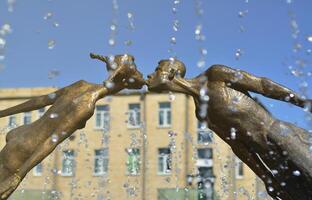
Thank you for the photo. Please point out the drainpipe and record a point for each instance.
(234, 175)
(55, 174)
(186, 132)
(144, 140)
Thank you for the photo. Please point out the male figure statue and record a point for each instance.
(277, 151)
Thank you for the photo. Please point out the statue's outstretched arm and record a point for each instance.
(34, 103)
(248, 82)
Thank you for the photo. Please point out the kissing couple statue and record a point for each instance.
(222, 100)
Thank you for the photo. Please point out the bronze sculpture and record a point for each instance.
(72, 106)
(276, 151)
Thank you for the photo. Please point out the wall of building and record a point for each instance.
(117, 183)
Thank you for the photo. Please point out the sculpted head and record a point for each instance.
(123, 71)
(167, 76)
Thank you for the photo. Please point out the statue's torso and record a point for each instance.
(69, 113)
(230, 109)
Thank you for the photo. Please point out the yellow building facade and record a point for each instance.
(142, 146)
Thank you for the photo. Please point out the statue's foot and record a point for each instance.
(8, 186)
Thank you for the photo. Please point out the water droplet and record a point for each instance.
(56, 24)
(201, 63)
(2, 43)
(233, 133)
(171, 96)
(113, 27)
(53, 115)
(172, 134)
(51, 44)
(270, 189)
(174, 10)
(176, 25)
(48, 15)
(53, 73)
(130, 15)
(238, 54)
(283, 184)
(203, 51)
(128, 42)
(285, 130)
(173, 40)
(131, 80)
(235, 100)
(296, 173)
(52, 95)
(63, 133)
(307, 106)
(109, 84)
(309, 38)
(111, 42)
(5, 29)
(11, 4)
(55, 138)
(198, 29)
(274, 171)
(242, 14)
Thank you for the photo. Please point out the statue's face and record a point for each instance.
(163, 77)
(125, 73)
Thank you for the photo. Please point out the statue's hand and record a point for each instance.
(8, 186)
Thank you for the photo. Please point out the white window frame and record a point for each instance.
(209, 149)
(165, 112)
(135, 114)
(9, 121)
(164, 157)
(40, 113)
(104, 115)
(35, 170)
(206, 130)
(25, 115)
(138, 160)
(238, 164)
(99, 157)
(72, 158)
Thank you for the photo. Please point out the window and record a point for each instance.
(37, 171)
(12, 121)
(134, 115)
(68, 163)
(205, 153)
(41, 112)
(239, 168)
(164, 161)
(101, 161)
(205, 172)
(133, 162)
(102, 117)
(27, 118)
(164, 114)
(204, 134)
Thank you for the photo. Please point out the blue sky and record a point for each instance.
(267, 43)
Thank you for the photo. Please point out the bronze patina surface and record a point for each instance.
(71, 107)
(277, 151)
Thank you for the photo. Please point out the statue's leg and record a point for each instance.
(4, 172)
(250, 158)
(290, 156)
